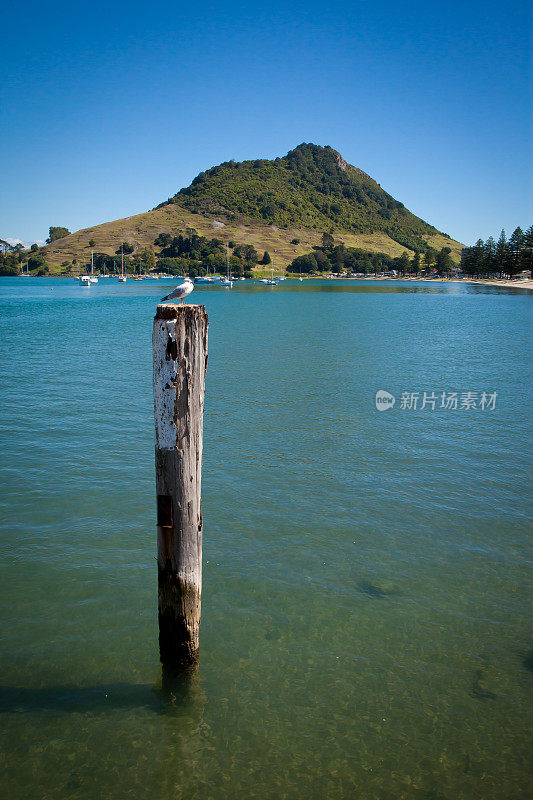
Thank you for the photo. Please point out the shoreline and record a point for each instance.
(503, 283)
(522, 284)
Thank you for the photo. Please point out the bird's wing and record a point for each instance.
(173, 295)
(182, 290)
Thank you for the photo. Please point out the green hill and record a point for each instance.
(311, 187)
(283, 206)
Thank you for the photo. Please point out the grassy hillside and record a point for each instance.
(142, 229)
(268, 204)
(311, 187)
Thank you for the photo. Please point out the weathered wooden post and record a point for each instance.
(180, 361)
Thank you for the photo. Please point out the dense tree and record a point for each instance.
(444, 261)
(306, 264)
(92, 242)
(179, 266)
(340, 258)
(36, 261)
(527, 250)
(501, 254)
(9, 270)
(489, 255)
(415, 263)
(238, 267)
(125, 247)
(403, 263)
(327, 240)
(9, 260)
(515, 248)
(506, 257)
(266, 258)
(247, 252)
(430, 256)
(56, 233)
(148, 258)
(102, 262)
(215, 262)
(193, 255)
(323, 263)
(163, 240)
(472, 258)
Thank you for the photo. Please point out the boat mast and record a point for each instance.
(92, 262)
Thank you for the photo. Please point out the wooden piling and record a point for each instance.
(180, 361)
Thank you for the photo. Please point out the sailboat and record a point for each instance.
(122, 277)
(227, 281)
(93, 278)
(270, 281)
(85, 280)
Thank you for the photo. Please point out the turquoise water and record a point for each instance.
(365, 602)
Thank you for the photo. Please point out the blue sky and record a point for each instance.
(109, 108)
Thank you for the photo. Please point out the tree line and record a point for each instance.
(34, 258)
(506, 257)
(336, 258)
(195, 255)
(189, 254)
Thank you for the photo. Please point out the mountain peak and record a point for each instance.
(322, 154)
(311, 187)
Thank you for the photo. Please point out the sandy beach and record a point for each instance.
(504, 283)
(520, 284)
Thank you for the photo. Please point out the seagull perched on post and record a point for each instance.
(180, 292)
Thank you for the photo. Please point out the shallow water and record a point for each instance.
(365, 602)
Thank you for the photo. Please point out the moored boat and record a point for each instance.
(122, 277)
(227, 280)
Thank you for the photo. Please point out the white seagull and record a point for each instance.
(180, 292)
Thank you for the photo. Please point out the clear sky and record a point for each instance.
(109, 108)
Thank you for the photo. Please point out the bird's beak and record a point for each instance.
(164, 298)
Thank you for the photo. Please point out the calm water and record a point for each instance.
(365, 606)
